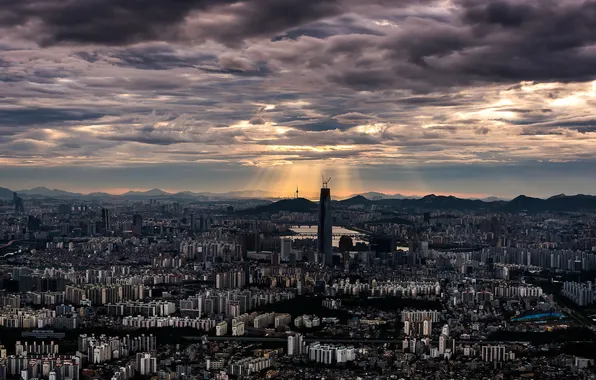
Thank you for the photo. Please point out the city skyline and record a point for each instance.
(452, 97)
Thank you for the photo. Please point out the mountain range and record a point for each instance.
(560, 202)
(433, 202)
(44, 192)
(376, 196)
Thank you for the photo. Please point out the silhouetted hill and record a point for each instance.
(525, 203)
(5, 193)
(565, 203)
(375, 196)
(354, 201)
(50, 193)
(288, 205)
(521, 203)
(148, 193)
(440, 202)
(99, 194)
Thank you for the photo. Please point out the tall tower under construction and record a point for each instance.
(325, 230)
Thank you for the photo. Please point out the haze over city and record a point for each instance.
(463, 97)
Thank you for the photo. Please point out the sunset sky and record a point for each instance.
(466, 97)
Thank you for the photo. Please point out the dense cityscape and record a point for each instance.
(297, 189)
(178, 286)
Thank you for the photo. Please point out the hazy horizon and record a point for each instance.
(302, 194)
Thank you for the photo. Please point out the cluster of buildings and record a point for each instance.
(104, 294)
(142, 322)
(34, 366)
(472, 295)
(25, 348)
(332, 304)
(307, 321)
(249, 366)
(146, 309)
(539, 257)
(32, 319)
(328, 353)
(496, 354)
(104, 348)
(582, 294)
(231, 302)
(405, 289)
(230, 280)
(146, 363)
(272, 319)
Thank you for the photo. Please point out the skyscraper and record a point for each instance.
(137, 224)
(325, 230)
(19, 206)
(105, 220)
(193, 222)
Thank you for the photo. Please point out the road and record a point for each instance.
(581, 320)
(337, 340)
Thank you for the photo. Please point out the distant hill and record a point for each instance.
(355, 201)
(492, 199)
(45, 192)
(561, 202)
(375, 196)
(5, 193)
(521, 203)
(441, 202)
(287, 205)
(525, 203)
(99, 195)
(148, 193)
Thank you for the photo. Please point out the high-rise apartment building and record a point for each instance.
(286, 249)
(146, 364)
(295, 344)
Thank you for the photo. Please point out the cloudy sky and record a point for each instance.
(467, 97)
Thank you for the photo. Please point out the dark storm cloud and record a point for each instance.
(123, 22)
(152, 57)
(111, 22)
(272, 82)
(353, 118)
(482, 130)
(445, 128)
(348, 24)
(324, 125)
(483, 42)
(18, 117)
(558, 127)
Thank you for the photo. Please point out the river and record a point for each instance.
(310, 232)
